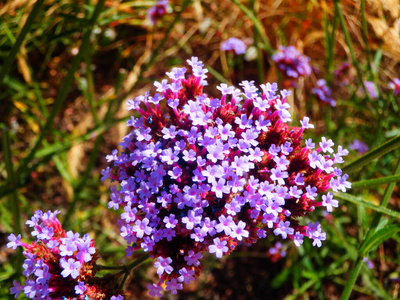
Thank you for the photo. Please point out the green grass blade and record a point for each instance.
(374, 154)
(21, 37)
(373, 182)
(257, 26)
(378, 238)
(358, 201)
(6, 147)
(62, 95)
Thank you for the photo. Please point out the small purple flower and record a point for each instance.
(359, 146)
(292, 62)
(395, 86)
(163, 265)
(15, 241)
(324, 92)
(234, 44)
(155, 290)
(371, 90)
(219, 247)
(80, 288)
(70, 267)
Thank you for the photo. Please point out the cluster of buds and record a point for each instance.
(199, 174)
(59, 264)
(292, 62)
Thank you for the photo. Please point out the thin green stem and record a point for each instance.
(375, 221)
(21, 37)
(133, 265)
(352, 54)
(257, 26)
(11, 180)
(260, 61)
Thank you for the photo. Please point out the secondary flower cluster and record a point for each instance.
(324, 92)
(199, 174)
(157, 10)
(292, 62)
(59, 264)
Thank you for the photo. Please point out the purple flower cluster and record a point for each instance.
(59, 264)
(234, 44)
(324, 92)
(395, 86)
(201, 174)
(157, 10)
(291, 62)
(359, 146)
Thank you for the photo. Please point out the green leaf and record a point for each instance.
(370, 205)
(376, 181)
(376, 153)
(378, 238)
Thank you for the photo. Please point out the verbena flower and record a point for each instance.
(158, 10)
(324, 92)
(395, 86)
(291, 62)
(199, 174)
(59, 264)
(359, 146)
(234, 44)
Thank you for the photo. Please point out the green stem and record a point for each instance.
(260, 60)
(257, 26)
(130, 267)
(11, 180)
(21, 37)
(377, 218)
(352, 54)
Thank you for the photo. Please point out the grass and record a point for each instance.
(67, 68)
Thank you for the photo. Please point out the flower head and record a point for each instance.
(324, 92)
(291, 62)
(59, 264)
(158, 10)
(218, 172)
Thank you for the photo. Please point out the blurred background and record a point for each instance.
(67, 68)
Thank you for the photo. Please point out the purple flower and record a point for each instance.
(158, 10)
(290, 61)
(163, 265)
(395, 86)
(324, 92)
(234, 44)
(371, 90)
(359, 146)
(15, 241)
(219, 247)
(155, 290)
(200, 173)
(70, 267)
